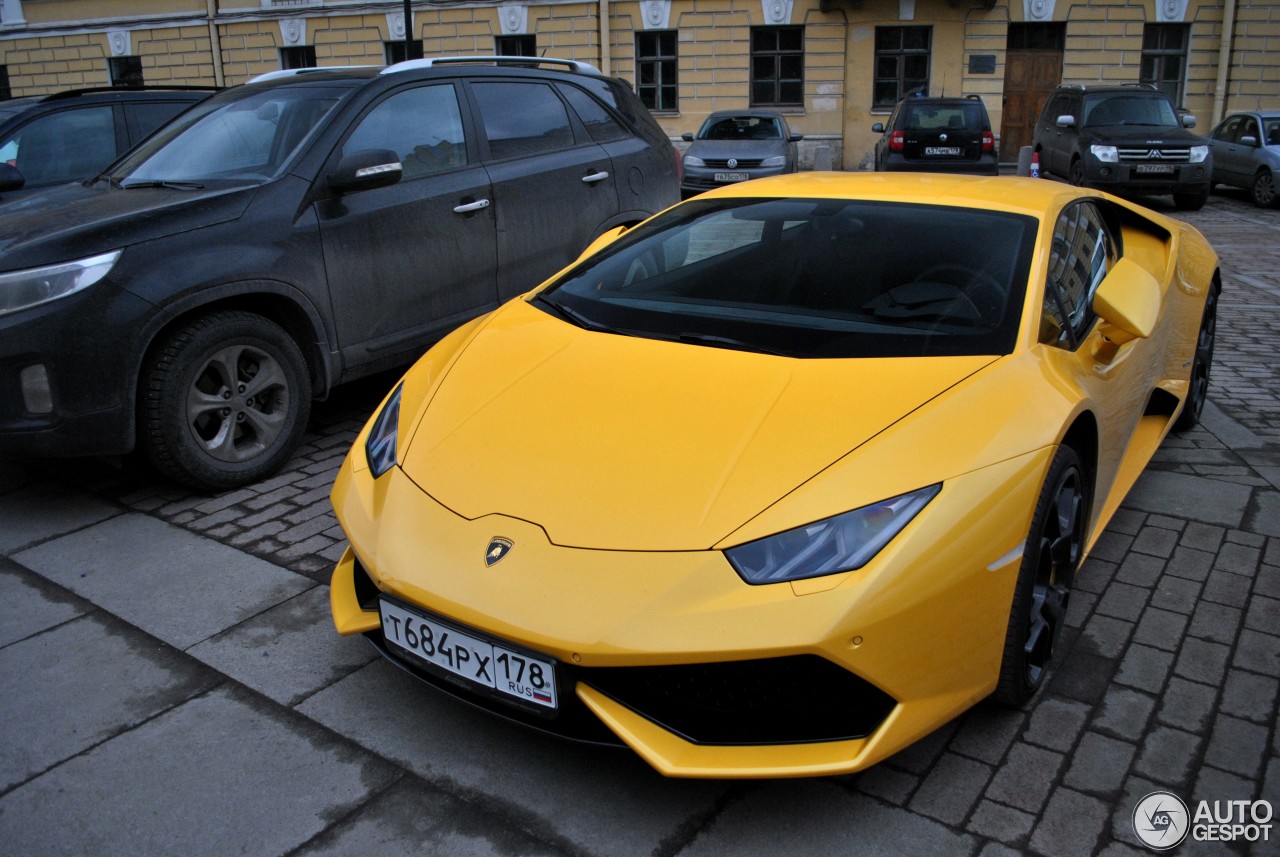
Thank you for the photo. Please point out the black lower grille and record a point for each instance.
(790, 700)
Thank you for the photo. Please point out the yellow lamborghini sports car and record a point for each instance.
(784, 478)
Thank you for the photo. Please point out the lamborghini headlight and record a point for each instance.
(842, 543)
(35, 286)
(380, 445)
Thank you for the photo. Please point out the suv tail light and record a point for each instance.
(988, 141)
(896, 140)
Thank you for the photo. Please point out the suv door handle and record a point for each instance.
(471, 206)
(596, 177)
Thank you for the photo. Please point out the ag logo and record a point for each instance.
(498, 548)
(1160, 819)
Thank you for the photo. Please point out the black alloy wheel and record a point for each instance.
(225, 402)
(1198, 382)
(1050, 559)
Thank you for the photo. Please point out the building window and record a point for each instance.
(395, 52)
(517, 46)
(902, 63)
(777, 66)
(1037, 37)
(299, 57)
(1164, 58)
(656, 69)
(125, 71)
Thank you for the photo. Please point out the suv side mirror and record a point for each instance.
(688, 138)
(1128, 302)
(878, 127)
(1188, 120)
(796, 138)
(1066, 121)
(10, 178)
(365, 170)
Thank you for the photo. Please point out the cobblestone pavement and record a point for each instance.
(173, 684)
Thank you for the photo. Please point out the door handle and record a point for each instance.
(595, 177)
(471, 206)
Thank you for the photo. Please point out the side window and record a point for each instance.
(64, 146)
(599, 123)
(522, 118)
(1081, 254)
(1229, 131)
(422, 125)
(1249, 128)
(150, 116)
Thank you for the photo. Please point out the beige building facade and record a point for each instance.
(833, 66)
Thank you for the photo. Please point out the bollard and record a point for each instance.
(1024, 161)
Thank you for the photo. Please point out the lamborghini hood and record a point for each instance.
(623, 443)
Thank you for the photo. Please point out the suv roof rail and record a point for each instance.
(974, 96)
(96, 90)
(429, 62)
(294, 72)
(1150, 86)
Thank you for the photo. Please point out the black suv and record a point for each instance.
(299, 231)
(943, 135)
(1124, 139)
(52, 139)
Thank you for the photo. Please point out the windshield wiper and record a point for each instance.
(576, 317)
(172, 185)
(726, 342)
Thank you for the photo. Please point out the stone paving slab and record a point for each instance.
(171, 583)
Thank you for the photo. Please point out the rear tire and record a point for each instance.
(224, 402)
(1050, 559)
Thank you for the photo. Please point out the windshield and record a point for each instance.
(740, 128)
(942, 117)
(811, 278)
(1135, 109)
(245, 135)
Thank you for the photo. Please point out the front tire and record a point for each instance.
(1050, 559)
(1263, 191)
(224, 402)
(1198, 382)
(1075, 173)
(1193, 200)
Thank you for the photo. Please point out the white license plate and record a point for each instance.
(478, 661)
(732, 177)
(942, 150)
(1160, 169)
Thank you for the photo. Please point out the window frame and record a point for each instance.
(1157, 53)
(397, 47)
(657, 59)
(298, 56)
(125, 71)
(526, 45)
(776, 54)
(902, 85)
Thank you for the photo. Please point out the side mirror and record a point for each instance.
(365, 170)
(878, 127)
(1188, 120)
(796, 138)
(1066, 121)
(1128, 302)
(1248, 140)
(10, 178)
(603, 241)
(688, 138)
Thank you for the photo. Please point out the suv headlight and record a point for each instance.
(380, 445)
(1198, 154)
(34, 286)
(1106, 154)
(842, 543)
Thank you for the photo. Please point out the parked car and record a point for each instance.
(759, 488)
(1126, 140)
(738, 145)
(290, 234)
(1246, 153)
(947, 135)
(53, 139)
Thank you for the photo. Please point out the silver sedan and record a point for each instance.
(1246, 153)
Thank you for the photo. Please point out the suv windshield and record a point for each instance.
(811, 278)
(243, 136)
(1127, 109)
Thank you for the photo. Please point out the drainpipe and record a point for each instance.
(1224, 61)
(605, 58)
(215, 42)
